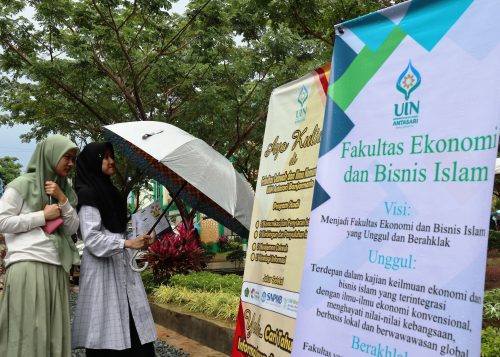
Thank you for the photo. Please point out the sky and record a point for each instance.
(11, 145)
(10, 142)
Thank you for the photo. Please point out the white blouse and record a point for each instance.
(25, 239)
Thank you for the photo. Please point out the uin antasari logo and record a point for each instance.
(406, 114)
(300, 114)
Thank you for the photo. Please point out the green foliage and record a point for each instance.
(228, 243)
(494, 240)
(215, 304)
(234, 249)
(211, 247)
(236, 256)
(490, 342)
(223, 242)
(208, 282)
(10, 168)
(209, 254)
(148, 280)
(491, 306)
(495, 203)
(88, 63)
(234, 245)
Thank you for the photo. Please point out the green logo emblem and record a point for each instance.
(300, 114)
(408, 81)
(406, 114)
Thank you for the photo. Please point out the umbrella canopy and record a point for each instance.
(175, 158)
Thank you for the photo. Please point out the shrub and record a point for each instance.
(491, 306)
(208, 282)
(148, 280)
(223, 243)
(211, 247)
(236, 256)
(490, 342)
(228, 243)
(176, 252)
(219, 305)
(494, 240)
(233, 245)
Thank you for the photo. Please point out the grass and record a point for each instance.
(219, 305)
(208, 282)
(214, 295)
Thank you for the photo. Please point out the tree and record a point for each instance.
(78, 65)
(92, 63)
(10, 168)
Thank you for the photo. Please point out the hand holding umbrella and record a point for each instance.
(140, 242)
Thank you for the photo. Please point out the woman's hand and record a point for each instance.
(53, 189)
(51, 212)
(152, 237)
(139, 242)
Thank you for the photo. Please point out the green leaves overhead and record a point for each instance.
(73, 66)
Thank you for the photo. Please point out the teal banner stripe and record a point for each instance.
(320, 196)
(373, 29)
(343, 61)
(427, 21)
(336, 127)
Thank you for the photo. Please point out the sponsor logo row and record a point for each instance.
(267, 298)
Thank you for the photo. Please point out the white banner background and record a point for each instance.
(409, 296)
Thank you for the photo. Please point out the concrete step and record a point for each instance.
(215, 334)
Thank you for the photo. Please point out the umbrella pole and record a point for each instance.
(167, 208)
(133, 263)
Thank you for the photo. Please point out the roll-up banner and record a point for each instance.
(283, 197)
(396, 253)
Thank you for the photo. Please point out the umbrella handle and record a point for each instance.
(133, 263)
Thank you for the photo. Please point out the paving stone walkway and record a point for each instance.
(191, 347)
